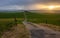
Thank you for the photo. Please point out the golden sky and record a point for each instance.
(29, 4)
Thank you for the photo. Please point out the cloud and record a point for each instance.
(42, 7)
(15, 2)
(13, 7)
(24, 4)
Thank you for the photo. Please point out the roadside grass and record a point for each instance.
(24, 33)
(50, 20)
(7, 23)
(51, 26)
(7, 19)
(44, 18)
(18, 31)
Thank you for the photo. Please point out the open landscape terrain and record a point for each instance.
(49, 18)
(29, 18)
(7, 20)
(8, 27)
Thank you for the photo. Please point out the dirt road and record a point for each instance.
(37, 31)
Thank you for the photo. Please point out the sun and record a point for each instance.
(51, 7)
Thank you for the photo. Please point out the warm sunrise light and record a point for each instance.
(48, 7)
(51, 7)
(44, 7)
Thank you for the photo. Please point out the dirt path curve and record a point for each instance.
(14, 33)
(37, 31)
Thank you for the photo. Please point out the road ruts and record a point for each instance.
(37, 31)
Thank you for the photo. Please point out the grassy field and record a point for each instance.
(7, 19)
(33, 17)
(44, 18)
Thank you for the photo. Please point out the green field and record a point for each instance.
(7, 19)
(33, 17)
(44, 18)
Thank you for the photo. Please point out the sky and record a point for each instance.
(26, 4)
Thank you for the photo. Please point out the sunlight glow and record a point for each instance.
(43, 7)
(51, 7)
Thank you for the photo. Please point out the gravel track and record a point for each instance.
(37, 31)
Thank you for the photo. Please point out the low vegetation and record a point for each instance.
(5, 25)
(51, 26)
(34, 17)
(7, 19)
(18, 31)
(44, 18)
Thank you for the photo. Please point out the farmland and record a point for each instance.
(7, 19)
(33, 17)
